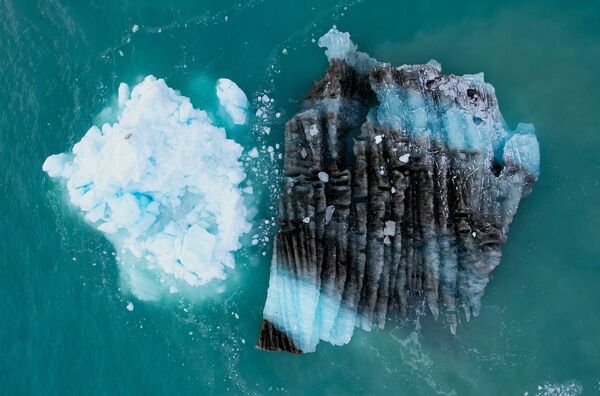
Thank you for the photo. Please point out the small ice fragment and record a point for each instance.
(253, 153)
(226, 18)
(173, 289)
(243, 341)
(306, 220)
(277, 115)
(329, 213)
(236, 315)
(313, 130)
(303, 152)
(378, 139)
(474, 234)
(130, 306)
(135, 28)
(324, 177)
(404, 158)
(265, 98)
(267, 130)
(254, 242)
(393, 190)
(284, 51)
(121, 53)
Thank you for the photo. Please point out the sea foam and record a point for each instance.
(163, 184)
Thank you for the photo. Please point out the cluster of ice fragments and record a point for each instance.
(401, 186)
(163, 184)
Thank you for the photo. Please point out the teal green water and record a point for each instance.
(64, 329)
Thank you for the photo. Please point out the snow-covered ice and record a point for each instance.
(163, 184)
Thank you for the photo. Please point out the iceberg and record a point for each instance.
(423, 180)
(163, 184)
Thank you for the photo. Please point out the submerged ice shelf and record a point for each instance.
(401, 185)
(163, 184)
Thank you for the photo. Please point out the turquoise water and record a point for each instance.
(64, 326)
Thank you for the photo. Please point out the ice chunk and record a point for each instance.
(324, 177)
(123, 95)
(55, 164)
(522, 149)
(340, 46)
(130, 307)
(163, 184)
(197, 252)
(253, 153)
(233, 100)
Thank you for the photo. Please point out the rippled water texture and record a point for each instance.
(70, 326)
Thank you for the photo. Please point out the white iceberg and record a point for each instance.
(163, 184)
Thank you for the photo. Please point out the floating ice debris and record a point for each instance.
(568, 388)
(162, 183)
(323, 176)
(425, 232)
(233, 100)
(135, 28)
(130, 307)
(253, 153)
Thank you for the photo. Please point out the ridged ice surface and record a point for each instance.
(401, 185)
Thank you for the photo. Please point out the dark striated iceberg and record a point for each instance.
(401, 185)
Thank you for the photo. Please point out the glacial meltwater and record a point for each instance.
(142, 168)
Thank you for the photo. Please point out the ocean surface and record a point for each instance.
(64, 324)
